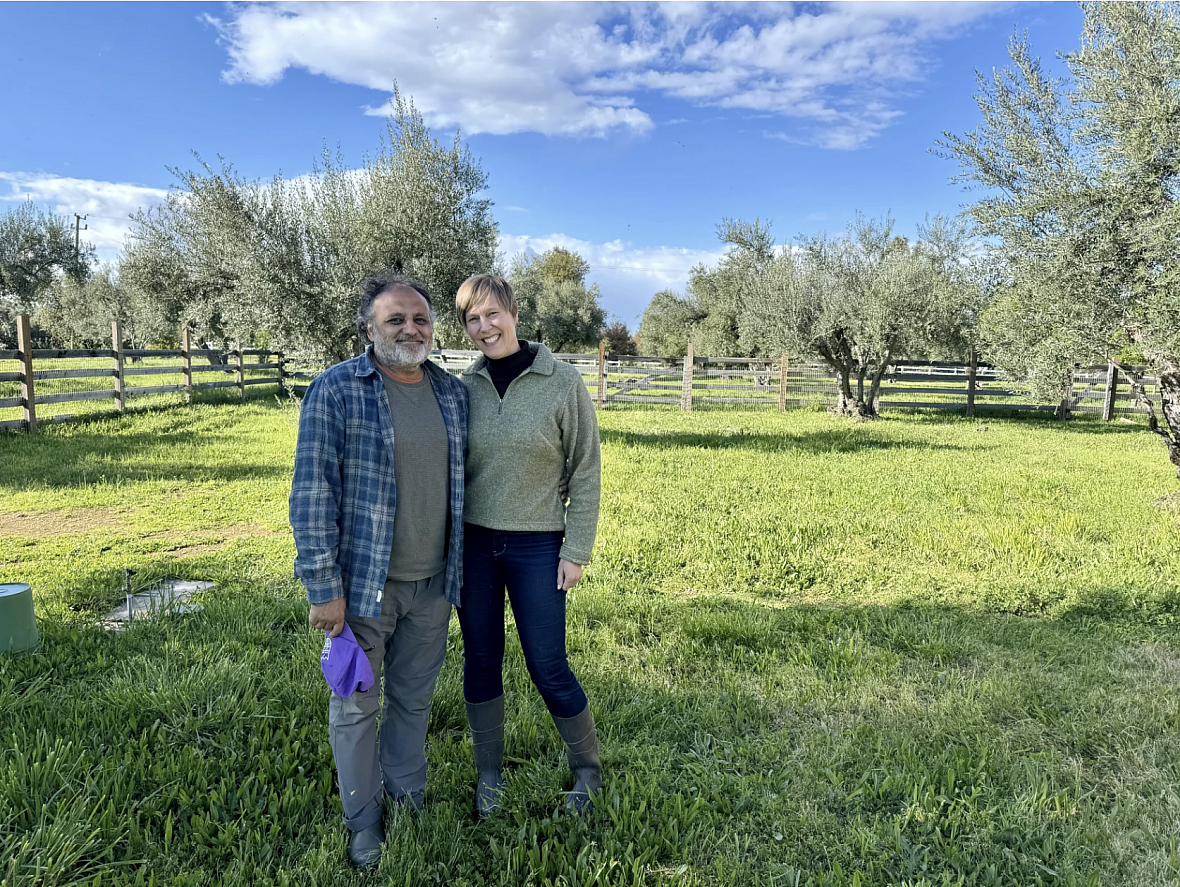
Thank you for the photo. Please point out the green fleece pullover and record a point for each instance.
(518, 449)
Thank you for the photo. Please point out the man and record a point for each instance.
(377, 511)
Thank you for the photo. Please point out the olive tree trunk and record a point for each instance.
(1166, 422)
(862, 404)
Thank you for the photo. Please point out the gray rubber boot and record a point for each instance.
(364, 846)
(581, 742)
(487, 744)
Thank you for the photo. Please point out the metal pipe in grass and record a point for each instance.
(127, 574)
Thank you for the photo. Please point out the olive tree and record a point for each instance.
(36, 250)
(722, 294)
(232, 258)
(861, 300)
(556, 307)
(667, 324)
(79, 313)
(709, 314)
(1081, 179)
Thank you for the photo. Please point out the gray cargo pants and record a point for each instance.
(410, 639)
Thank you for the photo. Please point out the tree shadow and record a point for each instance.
(821, 723)
(1079, 423)
(815, 442)
(89, 451)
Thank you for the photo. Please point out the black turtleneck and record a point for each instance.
(504, 369)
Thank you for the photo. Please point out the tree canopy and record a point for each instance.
(619, 340)
(555, 305)
(36, 250)
(862, 300)
(857, 301)
(79, 313)
(1081, 177)
(667, 324)
(231, 258)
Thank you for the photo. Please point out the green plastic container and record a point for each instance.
(18, 625)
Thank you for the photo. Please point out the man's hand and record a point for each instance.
(329, 617)
(568, 574)
(563, 488)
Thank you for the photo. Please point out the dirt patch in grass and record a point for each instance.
(57, 523)
(191, 550)
(206, 541)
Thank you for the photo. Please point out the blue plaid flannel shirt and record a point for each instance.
(343, 496)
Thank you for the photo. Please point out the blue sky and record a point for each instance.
(624, 131)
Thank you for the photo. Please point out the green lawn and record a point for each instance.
(923, 650)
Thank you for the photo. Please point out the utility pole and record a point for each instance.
(78, 229)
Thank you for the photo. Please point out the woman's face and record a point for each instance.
(492, 328)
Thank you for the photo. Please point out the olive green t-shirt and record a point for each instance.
(420, 472)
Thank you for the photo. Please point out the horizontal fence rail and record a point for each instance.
(32, 380)
(971, 388)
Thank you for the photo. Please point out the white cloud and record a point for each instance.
(107, 205)
(627, 275)
(585, 68)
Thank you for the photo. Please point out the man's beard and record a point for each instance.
(400, 355)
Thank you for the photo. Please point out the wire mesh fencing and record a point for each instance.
(693, 383)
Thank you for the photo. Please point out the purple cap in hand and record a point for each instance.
(346, 667)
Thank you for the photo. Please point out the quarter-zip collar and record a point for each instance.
(544, 363)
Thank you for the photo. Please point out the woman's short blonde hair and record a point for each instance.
(475, 289)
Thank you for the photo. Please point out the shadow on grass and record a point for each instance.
(843, 440)
(803, 735)
(1079, 423)
(107, 448)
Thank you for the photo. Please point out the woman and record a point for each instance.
(531, 423)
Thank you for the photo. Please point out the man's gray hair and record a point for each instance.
(372, 287)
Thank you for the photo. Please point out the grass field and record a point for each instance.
(921, 650)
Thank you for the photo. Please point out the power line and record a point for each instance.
(105, 237)
(111, 218)
(646, 268)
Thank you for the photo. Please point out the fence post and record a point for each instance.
(24, 344)
(241, 372)
(686, 384)
(601, 373)
(972, 375)
(187, 354)
(783, 364)
(282, 373)
(120, 382)
(1112, 384)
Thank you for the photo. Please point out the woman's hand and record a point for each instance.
(568, 574)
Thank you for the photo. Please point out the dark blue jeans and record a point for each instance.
(525, 564)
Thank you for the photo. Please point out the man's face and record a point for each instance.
(400, 328)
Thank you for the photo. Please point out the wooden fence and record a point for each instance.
(89, 375)
(972, 388)
(685, 383)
